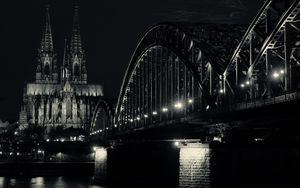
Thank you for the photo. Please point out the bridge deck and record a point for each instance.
(287, 97)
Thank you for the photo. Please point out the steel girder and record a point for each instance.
(211, 65)
(267, 50)
(195, 54)
(102, 119)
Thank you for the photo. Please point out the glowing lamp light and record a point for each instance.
(164, 109)
(247, 83)
(190, 101)
(207, 107)
(221, 91)
(258, 139)
(1, 152)
(242, 85)
(138, 118)
(176, 143)
(281, 71)
(154, 113)
(131, 120)
(178, 105)
(275, 75)
(116, 125)
(94, 148)
(48, 140)
(145, 115)
(218, 139)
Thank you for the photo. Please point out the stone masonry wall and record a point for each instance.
(194, 170)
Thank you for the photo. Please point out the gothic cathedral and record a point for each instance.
(60, 95)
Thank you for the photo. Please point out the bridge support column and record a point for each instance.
(194, 165)
(100, 165)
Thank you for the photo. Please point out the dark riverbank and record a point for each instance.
(31, 169)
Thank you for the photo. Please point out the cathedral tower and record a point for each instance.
(77, 56)
(46, 71)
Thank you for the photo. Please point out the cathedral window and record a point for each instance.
(76, 70)
(47, 69)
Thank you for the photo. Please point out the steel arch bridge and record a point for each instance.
(101, 120)
(181, 69)
(174, 64)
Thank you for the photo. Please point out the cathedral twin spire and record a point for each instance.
(73, 66)
(47, 41)
(76, 46)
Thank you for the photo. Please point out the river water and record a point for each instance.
(259, 165)
(47, 182)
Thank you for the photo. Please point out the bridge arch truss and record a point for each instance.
(173, 72)
(101, 119)
(181, 69)
(266, 62)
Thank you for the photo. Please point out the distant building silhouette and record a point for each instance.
(64, 99)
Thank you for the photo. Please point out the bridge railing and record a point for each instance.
(256, 103)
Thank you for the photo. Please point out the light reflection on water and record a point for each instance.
(47, 182)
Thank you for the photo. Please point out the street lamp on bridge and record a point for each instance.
(277, 74)
(178, 105)
(164, 109)
(154, 113)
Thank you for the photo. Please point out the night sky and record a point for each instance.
(110, 30)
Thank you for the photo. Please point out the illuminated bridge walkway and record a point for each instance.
(196, 84)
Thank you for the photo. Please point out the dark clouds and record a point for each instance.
(110, 31)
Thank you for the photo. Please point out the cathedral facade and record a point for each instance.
(60, 94)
